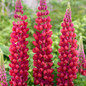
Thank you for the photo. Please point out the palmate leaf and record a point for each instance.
(5, 49)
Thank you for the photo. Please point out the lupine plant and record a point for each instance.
(42, 70)
(82, 59)
(18, 48)
(3, 78)
(68, 54)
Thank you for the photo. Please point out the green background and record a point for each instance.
(57, 11)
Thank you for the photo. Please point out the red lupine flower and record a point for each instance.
(42, 70)
(18, 49)
(68, 61)
(82, 59)
(3, 78)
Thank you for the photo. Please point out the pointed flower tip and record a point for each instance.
(18, 0)
(1, 58)
(81, 44)
(80, 37)
(81, 40)
(68, 5)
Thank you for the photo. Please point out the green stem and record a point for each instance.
(79, 75)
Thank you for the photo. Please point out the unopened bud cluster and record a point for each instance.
(3, 78)
(82, 58)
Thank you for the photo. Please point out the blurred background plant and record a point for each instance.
(57, 10)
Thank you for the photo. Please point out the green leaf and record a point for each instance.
(5, 49)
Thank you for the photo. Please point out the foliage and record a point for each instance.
(57, 11)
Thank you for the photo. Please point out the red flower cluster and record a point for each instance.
(68, 61)
(18, 49)
(42, 58)
(82, 58)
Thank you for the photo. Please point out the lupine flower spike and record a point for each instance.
(18, 49)
(42, 70)
(3, 78)
(82, 59)
(68, 61)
